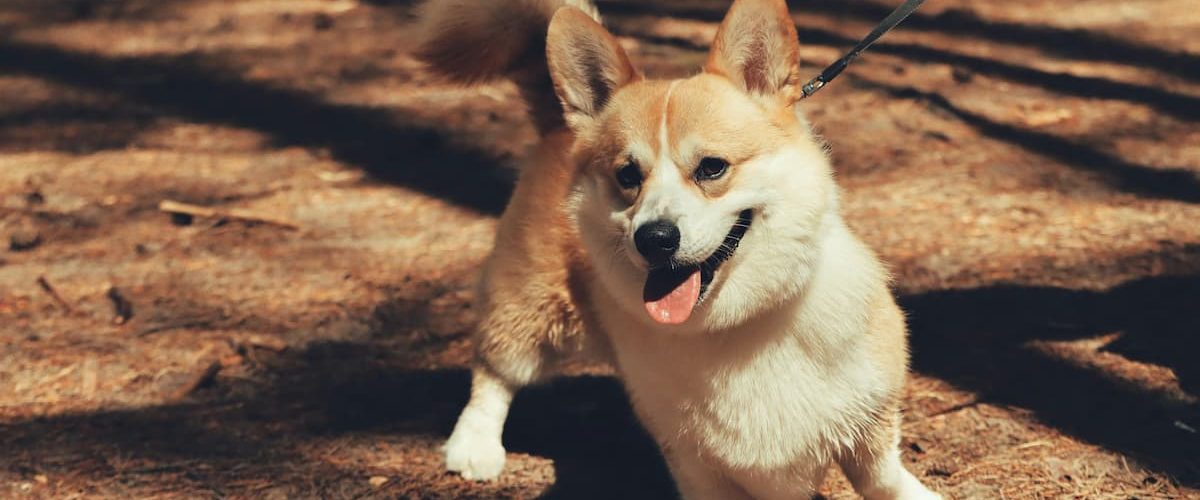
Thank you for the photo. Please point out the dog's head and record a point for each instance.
(699, 198)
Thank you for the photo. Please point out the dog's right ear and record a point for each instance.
(586, 63)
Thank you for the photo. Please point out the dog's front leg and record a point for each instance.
(697, 480)
(875, 469)
(474, 448)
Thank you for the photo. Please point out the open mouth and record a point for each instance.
(672, 292)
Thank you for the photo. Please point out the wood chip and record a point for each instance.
(1033, 444)
(207, 321)
(24, 239)
(378, 481)
(175, 207)
(266, 342)
(1047, 117)
(89, 379)
(197, 381)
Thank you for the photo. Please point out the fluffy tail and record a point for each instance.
(474, 41)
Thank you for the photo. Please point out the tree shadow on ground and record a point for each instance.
(241, 432)
(1171, 183)
(219, 443)
(1071, 43)
(979, 339)
(583, 423)
(384, 144)
(1182, 106)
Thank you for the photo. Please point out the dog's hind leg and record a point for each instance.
(521, 339)
(505, 361)
(528, 298)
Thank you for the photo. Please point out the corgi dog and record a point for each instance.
(687, 232)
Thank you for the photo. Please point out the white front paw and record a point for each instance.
(473, 455)
(917, 491)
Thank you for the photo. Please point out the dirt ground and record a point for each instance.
(1030, 169)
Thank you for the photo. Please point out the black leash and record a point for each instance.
(835, 69)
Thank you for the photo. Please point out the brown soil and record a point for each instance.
(1029, 168)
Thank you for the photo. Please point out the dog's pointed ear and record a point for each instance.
(756, 48)
(586, 63)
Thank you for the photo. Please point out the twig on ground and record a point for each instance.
(49, 289)
(177, 325)
(954, 409)
(122, 307)
(176, 207)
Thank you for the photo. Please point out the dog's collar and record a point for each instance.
(833, 70)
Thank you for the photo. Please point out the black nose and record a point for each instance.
(657, 241)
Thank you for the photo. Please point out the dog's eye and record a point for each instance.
(711, 168)
(629, 176)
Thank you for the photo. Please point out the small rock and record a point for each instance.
(88, 216)
(34, 198)
(322, 22)
(182, 219)
(378, 481)
(225, 25)
(942, 469)
(1048, 117)
(24, 239)
(278, 493)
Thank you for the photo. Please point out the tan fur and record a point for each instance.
(732, 130)
(474, 41)
(798, 357)
(528, 309)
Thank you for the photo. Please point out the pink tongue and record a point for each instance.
(675, 307)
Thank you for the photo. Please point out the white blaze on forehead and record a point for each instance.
(663, 192)
(645, 150)
(664, 142)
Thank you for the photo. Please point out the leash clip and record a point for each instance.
(812, 87)
(833, 70)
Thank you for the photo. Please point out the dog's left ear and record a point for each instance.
(756, 48)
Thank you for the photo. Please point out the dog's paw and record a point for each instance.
(919, 492)
(478, 458)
